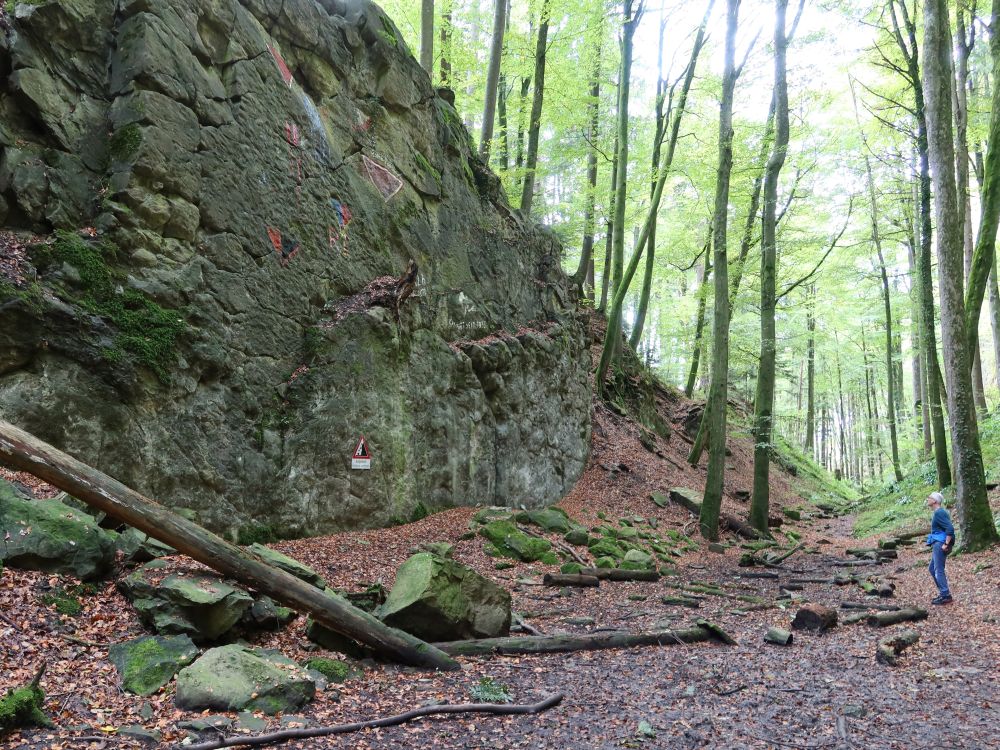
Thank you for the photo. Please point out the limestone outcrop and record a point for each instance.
(204, 208)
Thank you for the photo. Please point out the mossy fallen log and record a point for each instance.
(884, 619)
(888, 650)
(617, 574)
(24, 706)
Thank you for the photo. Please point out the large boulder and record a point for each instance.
(288, 564)
(146, 664)
(139, 547)
(253, 177)
(442, 600)
(235, 678)
(549, 519)
(51, 536)
(201, 605)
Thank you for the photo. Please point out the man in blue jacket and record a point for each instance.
(941, 540)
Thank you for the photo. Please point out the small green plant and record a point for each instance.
(124, 144)
(66, 599)
(334, 670)
(259, 533)
(488, 690)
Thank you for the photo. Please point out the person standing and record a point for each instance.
(941, 541)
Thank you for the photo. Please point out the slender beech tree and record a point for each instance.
(718, 391)
(983, 260)
(904, 28)
(975, 517)
(704, 273)
(492, 78)
(810, 369)
(585, 271)
(535, 120)
(446, 30)
(613, 338)
(764, 399)
(427, 36)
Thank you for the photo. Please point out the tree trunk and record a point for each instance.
(718, 392)
(535, 122)
(609, 233)
(699, 324)
(975, 517)
(558, 644)
(492, 78)
(587, 253)
(811, 371)
(427, 36)
(920, 413)
(764, 399)
(446, 30)
(22, 451)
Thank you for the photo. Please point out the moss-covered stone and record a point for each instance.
(147, 664)
(607, 548)
(571, 568)
(512, 542)
(23, 707)
(50, 536)
(335, 670)
(605, 562)
(441, 600)
(234, 678)
(638, 560)
(549, 519)
(577, 537)
(288, 564)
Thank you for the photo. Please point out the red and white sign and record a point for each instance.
(362, 458)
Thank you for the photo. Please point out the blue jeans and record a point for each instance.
(937, 569)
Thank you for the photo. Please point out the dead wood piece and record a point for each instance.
(871, 605)
(682, 497)
(854, 563)
(767, 575)
(521, 624)
(778, 636)
(570, 579)
(616, 574)
(558, 545)
(811, 580)
(854, 618)
(885, 589)
(554, 644)
(20, 450)
(814, 617)
(718, 633)
(890, 648)
(681, 601)
(913, 535)
(884, 619)
(498, 709)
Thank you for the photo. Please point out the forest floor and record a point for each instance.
(824, 691)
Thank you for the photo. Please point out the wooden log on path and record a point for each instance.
(885, 589)
(854, 618)
(22, 451)
(778, 637)
(766, 575)
(814, 617)
(884, 619)
(811, 580)
(616, 574)
(888, 650)
(570, 579)
(681, 601)
(871, 605)
(555, 644)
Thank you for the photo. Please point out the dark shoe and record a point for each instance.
(943, 600)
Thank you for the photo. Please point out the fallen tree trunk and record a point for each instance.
(731, 522)
(884, 619)
(498, 709)
(22, 451)
(891, 647)
(555, 644)
(616, 574)
(866, 605)
(570, 579)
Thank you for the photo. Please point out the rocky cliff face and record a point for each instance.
(206, 206)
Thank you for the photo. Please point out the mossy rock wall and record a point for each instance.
(230, 178)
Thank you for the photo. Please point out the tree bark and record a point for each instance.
(718, 391)
(427, 36)
(535, 121)
(811, 370)
(593, 106)
(492, 78)
(764, 398)
(975, 517)
(699, 322)
(608, 233)
(557, 644)
(22, 451)
(446, 30)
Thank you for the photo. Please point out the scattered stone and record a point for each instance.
(778, 636)
(605, 547)
(582, 620)
(443, 600)
(636, 559)
(202, 606)
(332, 640)
(945, 673)
(717, 548)
(855, 712)
(147, 664)
(577, 537)
(234, 678)
(136, 732)
(292, 721)
(50, 536)
(138, 547)
(512, 542)
(792, 514)
(205, 723)
(441, 549)
(248, 723)
(334, 670)
(549, 519)
(889, 648)
(265, 614)
(814, 617)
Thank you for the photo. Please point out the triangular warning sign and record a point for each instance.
(362, 450)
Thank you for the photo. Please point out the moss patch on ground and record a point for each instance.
(22, 708)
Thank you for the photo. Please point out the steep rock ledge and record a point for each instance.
(195, 197)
